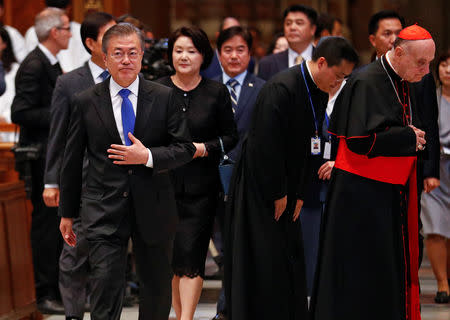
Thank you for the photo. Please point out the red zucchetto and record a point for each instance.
(414, 32)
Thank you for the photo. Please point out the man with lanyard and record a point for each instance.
(282, 152)
(371, 222)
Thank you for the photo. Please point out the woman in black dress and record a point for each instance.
(206, 108)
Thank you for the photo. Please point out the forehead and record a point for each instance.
(183, 41)
(130, 41)
(421, 49)
(236, 40)
(389, 23)
(297, 15)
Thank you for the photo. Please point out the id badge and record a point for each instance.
(327, 151)
(315, 146)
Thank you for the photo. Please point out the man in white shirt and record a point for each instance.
(75, 55)
(128, 190)
(299, 29)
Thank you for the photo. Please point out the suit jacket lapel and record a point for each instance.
(104, 109)
(246, 92)
(86, 75)
(143, 109)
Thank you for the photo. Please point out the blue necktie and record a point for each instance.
(233, 83)
(128, 117)
(104, 75)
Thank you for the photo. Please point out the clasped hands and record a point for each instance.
(420, 138)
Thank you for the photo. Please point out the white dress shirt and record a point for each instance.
(96, 71)
(116, 101)
(51, 58)
(306, 55)
(71, 58)
(239, 78)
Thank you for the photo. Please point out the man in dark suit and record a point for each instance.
(128, 190)
(299, 29)
(73, 266)
(234, 45)
(35, 82)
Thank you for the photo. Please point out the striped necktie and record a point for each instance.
(233, 83)
(128, 117)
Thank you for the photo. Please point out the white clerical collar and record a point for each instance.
(53, 60)
(96, 70)
(114, 87)
(390, 64)
(309, 72)
(239, 78)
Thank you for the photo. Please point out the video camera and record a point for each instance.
(154, 62)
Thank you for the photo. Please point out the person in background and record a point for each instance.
(436, 203)
(35, 81)
(73, 262)
(9, 67)
(279, 44)
(207, 111)
(299, 29)
(234, 45)
(327, 25)
(17, 40)
(75, 55)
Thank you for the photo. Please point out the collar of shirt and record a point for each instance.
(239, 78)
(331, 102)
(116, 101)
(306, 54)
(390, 65)
(96, 71)
(310, 74)
(53, 60)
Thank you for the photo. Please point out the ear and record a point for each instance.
(372, 40)
(53, 32)
(313, 29)
(90, 43)
(104, 59)
(321, 63)
(399, 51)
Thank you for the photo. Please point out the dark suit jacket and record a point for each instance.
(30, 109)
(119, 196)
(272, 64)
(66, 87)
(249, 91)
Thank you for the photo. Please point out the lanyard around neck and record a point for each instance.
(310, 100)
(398, 97)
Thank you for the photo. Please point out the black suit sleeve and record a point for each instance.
(227, 125)
(59, 124)
(72, 165)
(265, 69)
(24, 109)
(2, 79)
(180, 150)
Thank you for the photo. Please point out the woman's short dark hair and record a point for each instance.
(92, 24)
(229, 33)
(199, 39)
(334, 50)
(443, 57)
(8, 57)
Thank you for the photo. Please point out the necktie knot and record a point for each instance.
(104, 75)
(124, 93)
(232, 83)
(298, 59)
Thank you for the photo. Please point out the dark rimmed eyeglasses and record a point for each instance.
(63, 28)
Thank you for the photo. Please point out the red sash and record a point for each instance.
(394, 170)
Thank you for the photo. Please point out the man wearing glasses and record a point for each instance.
(35, 82)
(128, 191)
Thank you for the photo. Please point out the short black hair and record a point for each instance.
(229, 33)
(92, 24)
(324, 22)
(443, 57)
(199, 39)
(122, 29)
(61, 4)
(374, 21)
(334, 50)
(308, 11)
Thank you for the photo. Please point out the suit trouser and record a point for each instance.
(46, 240)
(108, 260)
(74, 272)
(310, 220)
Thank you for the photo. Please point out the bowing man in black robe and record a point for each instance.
(264, 261)
(368, 261)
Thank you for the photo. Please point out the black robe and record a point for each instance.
(363, 258)
(264, 262)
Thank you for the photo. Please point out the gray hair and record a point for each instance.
(121, 30)
(46, 20)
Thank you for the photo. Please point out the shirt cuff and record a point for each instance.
(51, 186)
(150, 159)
